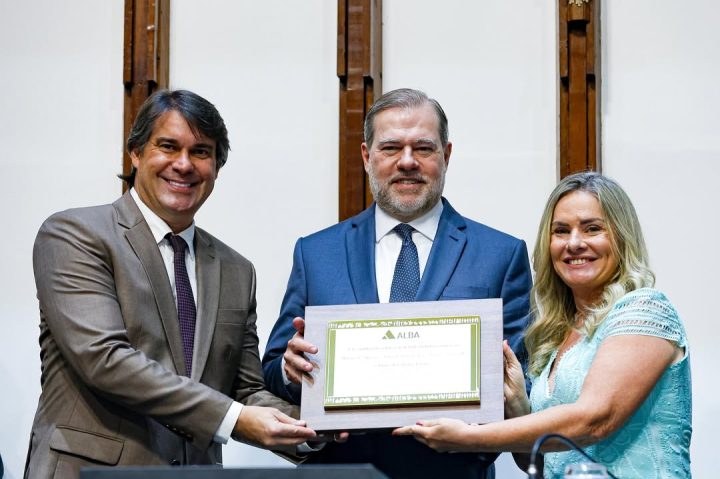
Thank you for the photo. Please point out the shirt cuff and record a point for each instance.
(227, 426)
(286, 381)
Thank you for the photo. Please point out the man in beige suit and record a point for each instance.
(147, 323)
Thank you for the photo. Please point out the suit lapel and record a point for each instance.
(208, 294)
(446, 251)
(360, 250)
(143, 244)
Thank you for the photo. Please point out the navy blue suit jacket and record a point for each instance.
(468, 260)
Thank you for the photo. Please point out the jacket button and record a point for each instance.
(174, 462)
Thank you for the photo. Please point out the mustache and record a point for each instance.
(405, 176)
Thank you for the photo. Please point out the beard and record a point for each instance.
(406, 209)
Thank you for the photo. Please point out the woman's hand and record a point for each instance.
(516, 400)
(443, 435)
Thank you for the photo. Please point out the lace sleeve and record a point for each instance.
(645, 312)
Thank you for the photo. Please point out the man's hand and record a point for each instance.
(267, 427)
(296, 364)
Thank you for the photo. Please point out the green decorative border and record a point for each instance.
(329, 386)
(472, 396)
(474, 342)
(398, 322)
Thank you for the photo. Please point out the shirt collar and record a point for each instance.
(159, 228)
(427, 224)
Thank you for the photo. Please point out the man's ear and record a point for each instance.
(135, 158)
(447, 151)
(364, 150)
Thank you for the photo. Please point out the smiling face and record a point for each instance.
(176, 170)
(406, 162)
(581, 247)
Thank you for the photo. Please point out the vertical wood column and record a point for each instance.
(146, 57)
(579, 62)
(359, 68)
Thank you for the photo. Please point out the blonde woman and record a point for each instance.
(608, 353)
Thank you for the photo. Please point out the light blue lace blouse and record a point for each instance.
(655, 441)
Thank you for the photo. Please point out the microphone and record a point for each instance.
(532, 468)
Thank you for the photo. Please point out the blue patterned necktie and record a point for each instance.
(185, 301)
(407, 269)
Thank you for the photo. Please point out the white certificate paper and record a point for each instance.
(409, 361)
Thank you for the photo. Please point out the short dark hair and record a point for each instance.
(201, 115)
(405, 98)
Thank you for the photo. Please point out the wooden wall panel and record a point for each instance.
(146, 57)
(359, 69)
(579, 60)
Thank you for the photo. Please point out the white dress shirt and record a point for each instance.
(159, 230)
(388, 245)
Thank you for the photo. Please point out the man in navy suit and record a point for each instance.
(406, 154)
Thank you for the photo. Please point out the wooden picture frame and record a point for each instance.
(490, 364)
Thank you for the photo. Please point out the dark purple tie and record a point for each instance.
(185, 301)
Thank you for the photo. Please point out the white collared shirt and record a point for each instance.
(159, 230)
(388, 245)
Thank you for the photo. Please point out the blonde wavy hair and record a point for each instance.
(551, 299)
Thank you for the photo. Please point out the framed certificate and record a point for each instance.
(394, 362)
(388, 365)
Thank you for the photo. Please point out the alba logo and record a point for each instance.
(408, 335)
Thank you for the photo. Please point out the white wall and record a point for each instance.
(270, 68)
(660, 140)
(61, 109)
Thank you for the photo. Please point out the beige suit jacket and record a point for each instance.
(113, 390)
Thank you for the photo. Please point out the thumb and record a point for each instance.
(299, 325)
(508, 354)
(427, 423)
(284, 418)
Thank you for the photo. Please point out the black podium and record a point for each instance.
(343, 471)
